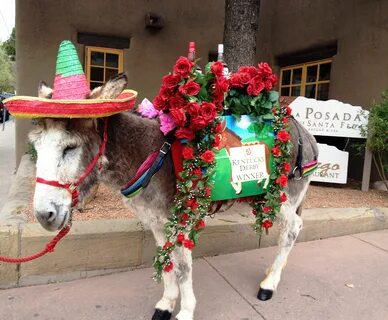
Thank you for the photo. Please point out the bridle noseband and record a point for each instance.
(73, 187)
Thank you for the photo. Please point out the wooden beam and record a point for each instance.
(366, 170)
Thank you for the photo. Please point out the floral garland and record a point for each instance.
(250, 93)
(193, 101)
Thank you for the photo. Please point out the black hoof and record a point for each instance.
(264, 294)
(161, 315)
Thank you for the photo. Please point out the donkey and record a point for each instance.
(66, 147)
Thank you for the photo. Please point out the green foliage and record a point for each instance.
(9, 46)
(7, 78)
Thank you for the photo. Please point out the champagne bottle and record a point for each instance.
(220, 57)
(191, 55)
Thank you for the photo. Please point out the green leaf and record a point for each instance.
(273, 96)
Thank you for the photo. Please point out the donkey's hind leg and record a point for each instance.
(290, 225)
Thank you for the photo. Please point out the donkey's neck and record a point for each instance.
(131, 139)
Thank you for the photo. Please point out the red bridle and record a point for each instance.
(73, 187)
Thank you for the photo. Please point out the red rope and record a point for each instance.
(48, 248)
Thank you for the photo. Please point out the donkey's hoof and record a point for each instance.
(161, 315)
(264, 294)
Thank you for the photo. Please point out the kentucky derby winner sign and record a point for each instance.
(329, 118)
(332, 165)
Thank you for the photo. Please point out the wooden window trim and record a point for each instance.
(303, 82)
(88, 65)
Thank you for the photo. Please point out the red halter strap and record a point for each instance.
(72, 188)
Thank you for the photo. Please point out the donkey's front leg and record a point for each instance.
(184, 273)
(290, 226)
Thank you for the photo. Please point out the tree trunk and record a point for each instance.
(241, 22)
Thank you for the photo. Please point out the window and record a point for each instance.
(311, 80)
(102, 64)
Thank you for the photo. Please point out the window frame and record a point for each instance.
(303, 83)
(88, 65)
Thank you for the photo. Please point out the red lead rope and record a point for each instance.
(48, 248)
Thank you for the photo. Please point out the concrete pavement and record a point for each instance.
(7, 158)
(337, 278)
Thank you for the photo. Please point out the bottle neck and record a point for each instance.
(191, 56)
(220, 57)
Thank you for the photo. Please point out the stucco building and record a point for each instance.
(322, 48)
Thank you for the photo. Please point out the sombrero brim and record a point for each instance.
(33, 107)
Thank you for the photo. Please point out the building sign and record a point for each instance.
(332, 165)
(248, 163)
(329, 118)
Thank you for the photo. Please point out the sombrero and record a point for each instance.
(70, 91)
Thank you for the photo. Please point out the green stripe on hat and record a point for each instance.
(68, 63)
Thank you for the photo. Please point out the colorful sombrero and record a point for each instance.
(70, 91)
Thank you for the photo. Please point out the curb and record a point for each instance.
(106, 246)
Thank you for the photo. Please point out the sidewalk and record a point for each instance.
(337, 278)
(7, 158)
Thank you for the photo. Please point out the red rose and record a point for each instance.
(254, 212)
(217, 141)
(283, 197)
(255, 86)
(267, 209)
(282, 180)
(217, 68)
(189, 244)
(188, 153)
(176, 102)
(208, 111)
(193, 109)
(168, 267)
(171, 81)
(185, 133)
(273, 78)
(252, 71)
(208, 192)
(218, 98)
(197, 172)
(276, 151)
(200, 225)
(199, 123)
(180, 238)
(286, 167)
(268, 85)
(235, 81)
(283, 136)
(208, 156)
(264, 69)
(218, 128)
(190, 88)
(183, 67)
(267, 224)
(274, 110)
(183, 219)
(222, 85)
(165, 93)
(285, 120)
(159, 103)
(244, 78)
(167, 245)
(192, 204)
(179, 117)
(288, 110)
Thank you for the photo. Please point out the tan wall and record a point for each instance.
(41, 25)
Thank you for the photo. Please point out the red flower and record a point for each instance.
(217, 140)
(282, 180)
(283, 197)
(288, 110)
(183, 67)
(183, 219)
(189, 244)
(199, 123)
(190, 88)
(180, 238)
(208, 156)
(217, 68)
(188, 153)
(159, 103)
(165, 93)
(200, 225)
(285, 120)
(218, 128)
(171, 81)
(254, 212)
(276, 151)
(286, 167)
(264, 69)
(274, 110)
(197, 172)
(179, 116)
(185, 133)
(193, 109)
(267, 224)
(176, 102)
(168, 267)
(268, 84)
(208, 111)
(255, 86)
(252, 71)
(167, 245)
(267, 209)
(235, 81)
(273, 78)
(283, 136)
(208, 192)
(192, 204)
(222, 85)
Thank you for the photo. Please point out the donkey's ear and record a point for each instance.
(44, 91)
(111, 89)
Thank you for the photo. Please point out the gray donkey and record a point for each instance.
(65, 148)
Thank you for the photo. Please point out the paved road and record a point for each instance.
(338, 278)
(7, 158)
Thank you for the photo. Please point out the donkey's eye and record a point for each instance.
(68, 149)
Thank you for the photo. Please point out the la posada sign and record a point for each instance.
(330, 118)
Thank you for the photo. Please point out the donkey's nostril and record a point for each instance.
(51, 216)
